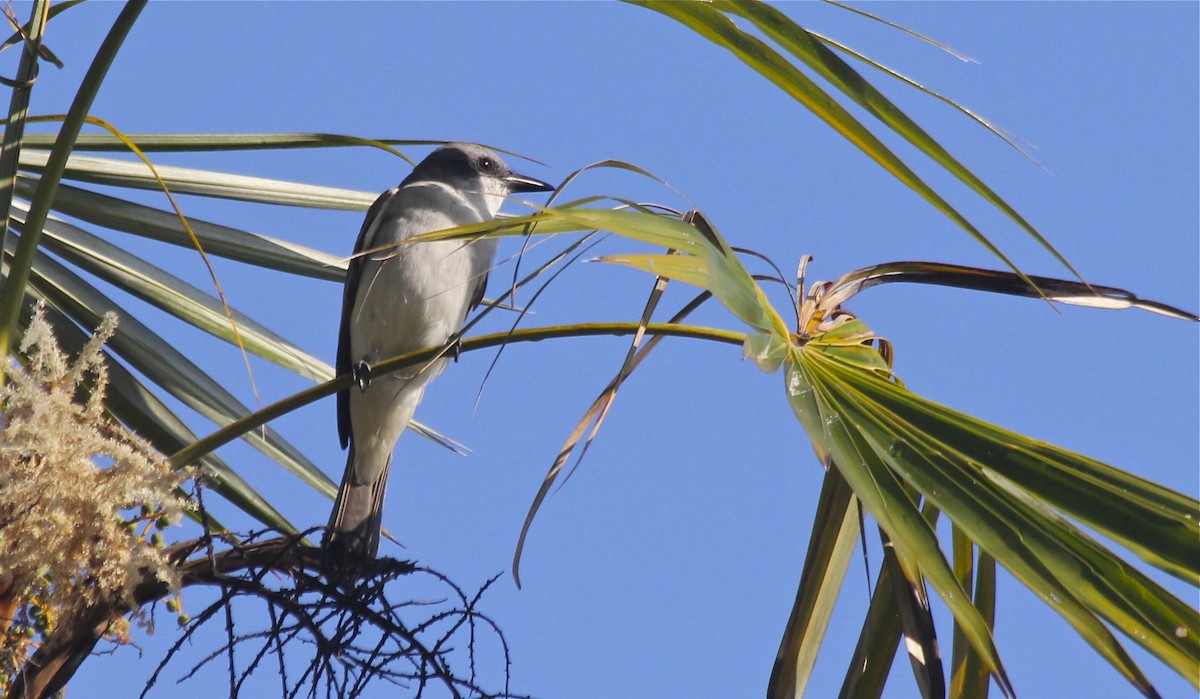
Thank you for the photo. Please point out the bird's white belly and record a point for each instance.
(414, 297)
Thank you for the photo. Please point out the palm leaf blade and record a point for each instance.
(828, 65)
(716, 27)
(222, 241)
(1042, 552)
(834, 533)
(179, 298)
(181, 180)
(883, 495)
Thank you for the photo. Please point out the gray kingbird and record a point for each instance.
(400, 298)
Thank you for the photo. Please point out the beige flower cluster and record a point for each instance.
(80, 496)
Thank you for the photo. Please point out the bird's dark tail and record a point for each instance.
(357, 517)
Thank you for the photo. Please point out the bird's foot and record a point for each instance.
(362, 375)
(456, 349)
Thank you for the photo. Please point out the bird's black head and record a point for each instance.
(462, 162)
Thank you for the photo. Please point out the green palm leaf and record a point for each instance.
(810, 51)
(176, 297)
(1003, 490)
(706, 20)
(218, 240)
(183, 180)
(835, 533)
(1027, 545)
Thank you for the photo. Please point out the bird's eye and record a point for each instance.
(486, 164)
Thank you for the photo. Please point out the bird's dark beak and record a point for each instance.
(520, 183)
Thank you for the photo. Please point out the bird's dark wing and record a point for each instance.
(477, 294)
(366, 241)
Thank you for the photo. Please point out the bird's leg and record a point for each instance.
(362, 374)
(456, 349)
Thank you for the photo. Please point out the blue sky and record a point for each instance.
(668, 565)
